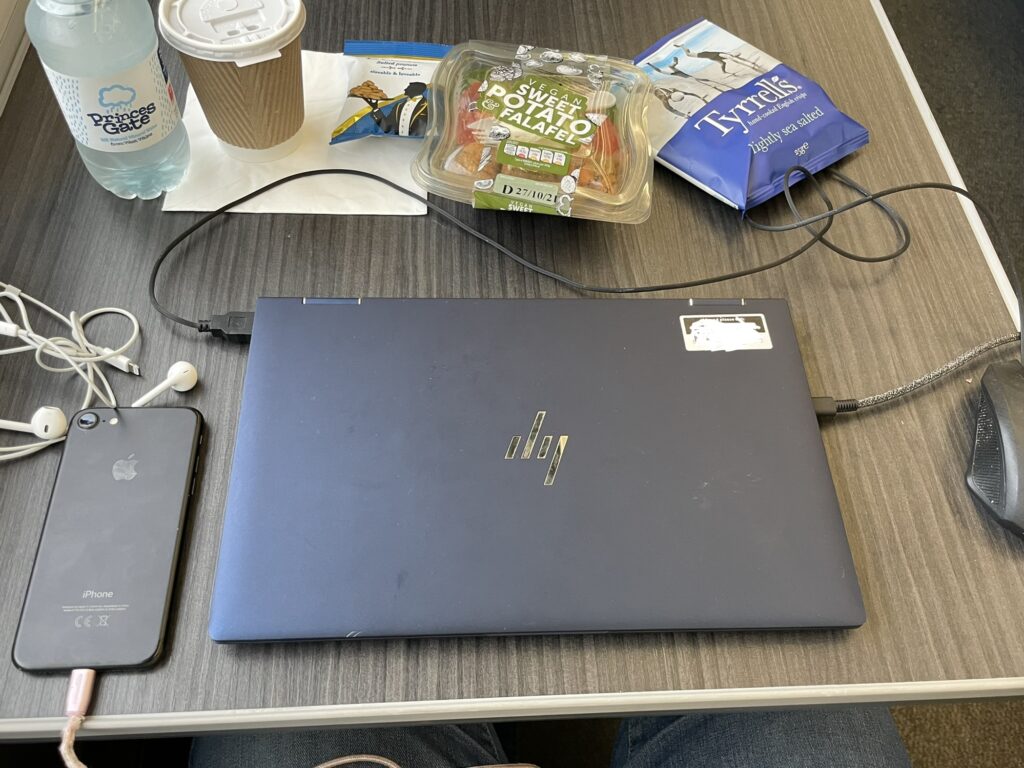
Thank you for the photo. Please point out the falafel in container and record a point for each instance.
(539, 130)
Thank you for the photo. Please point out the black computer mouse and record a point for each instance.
(997, 462)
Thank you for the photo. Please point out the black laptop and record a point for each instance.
(430, 467)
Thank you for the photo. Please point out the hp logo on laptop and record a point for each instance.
(542, 450)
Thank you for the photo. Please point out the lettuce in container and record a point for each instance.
(539, 130)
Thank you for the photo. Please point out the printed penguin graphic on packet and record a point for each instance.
(733, 119)
(407, 115)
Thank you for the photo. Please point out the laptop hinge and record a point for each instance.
(718, 302)
(316, 300)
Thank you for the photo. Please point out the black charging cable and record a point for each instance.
(237, 325)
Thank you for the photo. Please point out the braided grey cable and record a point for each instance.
(928, 378)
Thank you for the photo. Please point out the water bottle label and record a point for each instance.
(131, 110)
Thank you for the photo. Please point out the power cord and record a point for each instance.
(236, 326)
(76, 706)
(827, 407)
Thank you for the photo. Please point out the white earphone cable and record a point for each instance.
(78, 354)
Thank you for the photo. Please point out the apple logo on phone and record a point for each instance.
(124, 469)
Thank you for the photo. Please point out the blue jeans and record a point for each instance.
(863, 737)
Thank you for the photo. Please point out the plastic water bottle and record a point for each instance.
(102, 62)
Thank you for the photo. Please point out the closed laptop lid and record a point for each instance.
(431, 467)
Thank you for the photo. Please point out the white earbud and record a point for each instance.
(181, 377)
(48, 423)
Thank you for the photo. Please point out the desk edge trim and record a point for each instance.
(516, 707)
(7, 86)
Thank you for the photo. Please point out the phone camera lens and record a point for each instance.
(88, 420)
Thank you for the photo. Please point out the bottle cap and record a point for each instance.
(243, 31)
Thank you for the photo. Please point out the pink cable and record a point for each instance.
(76, 705)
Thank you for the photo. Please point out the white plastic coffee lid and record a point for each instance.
(242, 31)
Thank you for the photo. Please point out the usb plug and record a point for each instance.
(232, 326)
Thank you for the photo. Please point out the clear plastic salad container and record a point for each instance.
(539, 131)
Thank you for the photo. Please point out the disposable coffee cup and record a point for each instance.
(244, 58)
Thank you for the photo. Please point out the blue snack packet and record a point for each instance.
(389, 92)
(732, 119)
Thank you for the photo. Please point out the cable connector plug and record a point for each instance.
(76, 706)
(826, 408)
(232, 326)
(121, 362)
(79, 694)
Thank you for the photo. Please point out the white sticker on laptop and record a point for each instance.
(724, 333)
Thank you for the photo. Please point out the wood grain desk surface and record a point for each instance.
(943, 586)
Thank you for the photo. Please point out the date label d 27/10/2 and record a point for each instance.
(510, 193)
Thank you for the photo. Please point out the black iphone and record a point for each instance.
(101, 583)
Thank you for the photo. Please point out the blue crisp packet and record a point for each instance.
(733, 119)
(389, 89)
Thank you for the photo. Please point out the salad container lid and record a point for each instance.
(539, 130)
